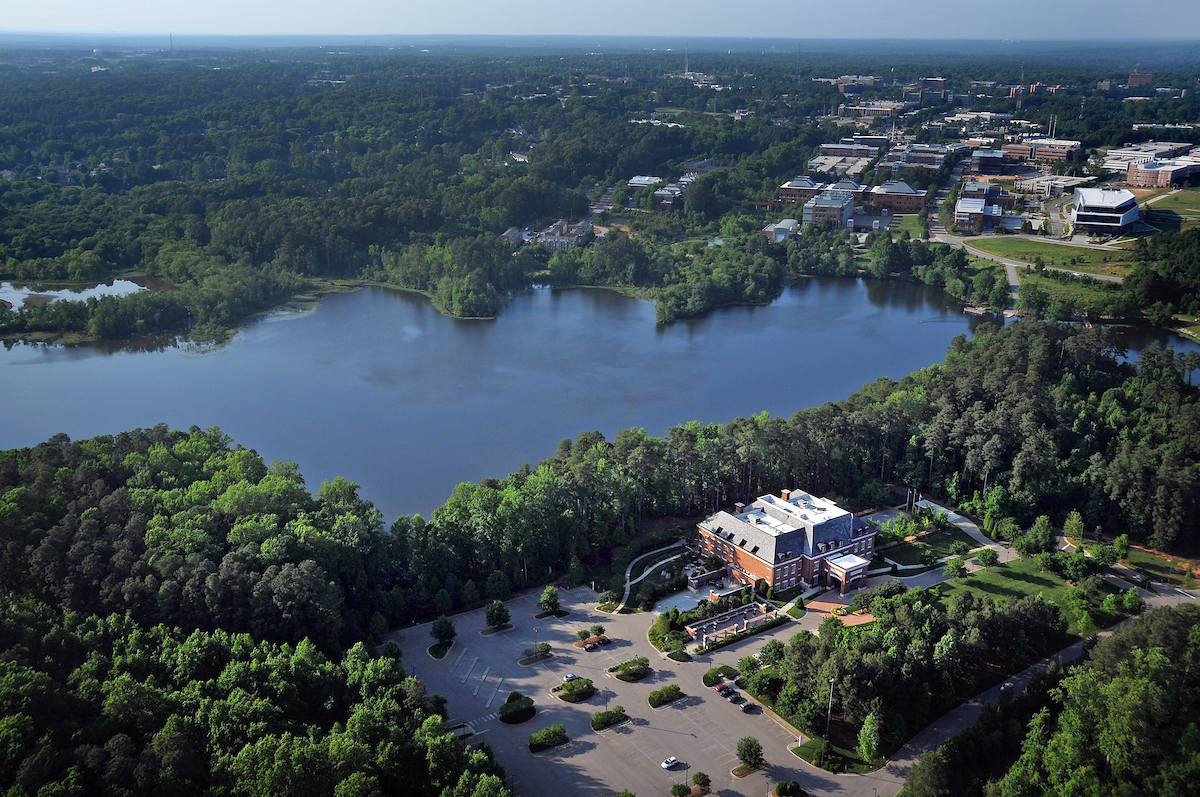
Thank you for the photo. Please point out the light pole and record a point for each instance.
(829, 712)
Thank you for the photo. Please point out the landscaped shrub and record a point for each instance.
(749, 632)
(790, 789)
(633, 670)
(518, 708)
(660, 697)
(713, 676)
(603, 719)
(545, 739)
(577, 691)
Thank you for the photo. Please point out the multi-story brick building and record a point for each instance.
(897, 196)
(799, 189)
(1041, 149)
(792, 539)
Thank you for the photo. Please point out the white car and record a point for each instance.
(570, 677)
(670, 762)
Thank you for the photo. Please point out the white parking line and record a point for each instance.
(468, 674)
(494, 691)
(481, 680)
(461, 653)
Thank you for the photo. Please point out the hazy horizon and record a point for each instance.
(1098, 20)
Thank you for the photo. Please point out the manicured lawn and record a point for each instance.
(1164, 569)
(939, 543)
(797, 611)
(909, 221)
(1014, 580)
(1176, 211)
(842, 760)
(1075, 258)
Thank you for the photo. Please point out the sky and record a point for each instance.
(808, 19)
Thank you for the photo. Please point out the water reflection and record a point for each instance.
(379, 387)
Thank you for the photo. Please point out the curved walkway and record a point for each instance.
(635, 560)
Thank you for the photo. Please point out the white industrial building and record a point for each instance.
(1107, 209)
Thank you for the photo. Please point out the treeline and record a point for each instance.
(936, 264)
(103, 705)
(914, 663)
(209, 306)
(1123, 721)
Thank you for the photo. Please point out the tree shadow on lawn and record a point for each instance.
(998, 589)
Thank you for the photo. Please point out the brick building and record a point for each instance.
(792, 539)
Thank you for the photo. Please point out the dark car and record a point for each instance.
(604, 640)
(723, 689)
(747, 707)
(591, 646)
(733, 697)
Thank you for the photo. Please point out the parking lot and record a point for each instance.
(701, 730)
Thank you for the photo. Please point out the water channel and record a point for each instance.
(380, 388)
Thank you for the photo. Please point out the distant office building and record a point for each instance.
(1140, 79)
(780, 231)
(849, 149)
(897, 196)
(839, 165)
(1119, 159)
(669, 198)
(976, 213)
(643, 181)
(563, 235)
(1041, 149)
(928, 156)
(836, 206)
(987, 161)
(799, 189)
(1162, 173)
(981, 189)
(1104, 209)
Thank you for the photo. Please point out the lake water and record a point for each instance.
(380, 388)
(19, 293)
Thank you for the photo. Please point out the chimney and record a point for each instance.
(739, 508)
(785, 494)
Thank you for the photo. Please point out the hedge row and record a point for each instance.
(739, 636)
(660, 697)
(545, 739)
(602, 719)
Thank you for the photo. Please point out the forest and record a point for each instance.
(1121, 721)
(244, 180)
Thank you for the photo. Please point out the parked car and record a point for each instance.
(723, 689)
(747, 707)
(570, 677)
(591, 646)
(670, 762)
(733, 697)
(603, 640)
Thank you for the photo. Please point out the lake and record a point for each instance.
(380, 388)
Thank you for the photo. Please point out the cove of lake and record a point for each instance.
(378, 387)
